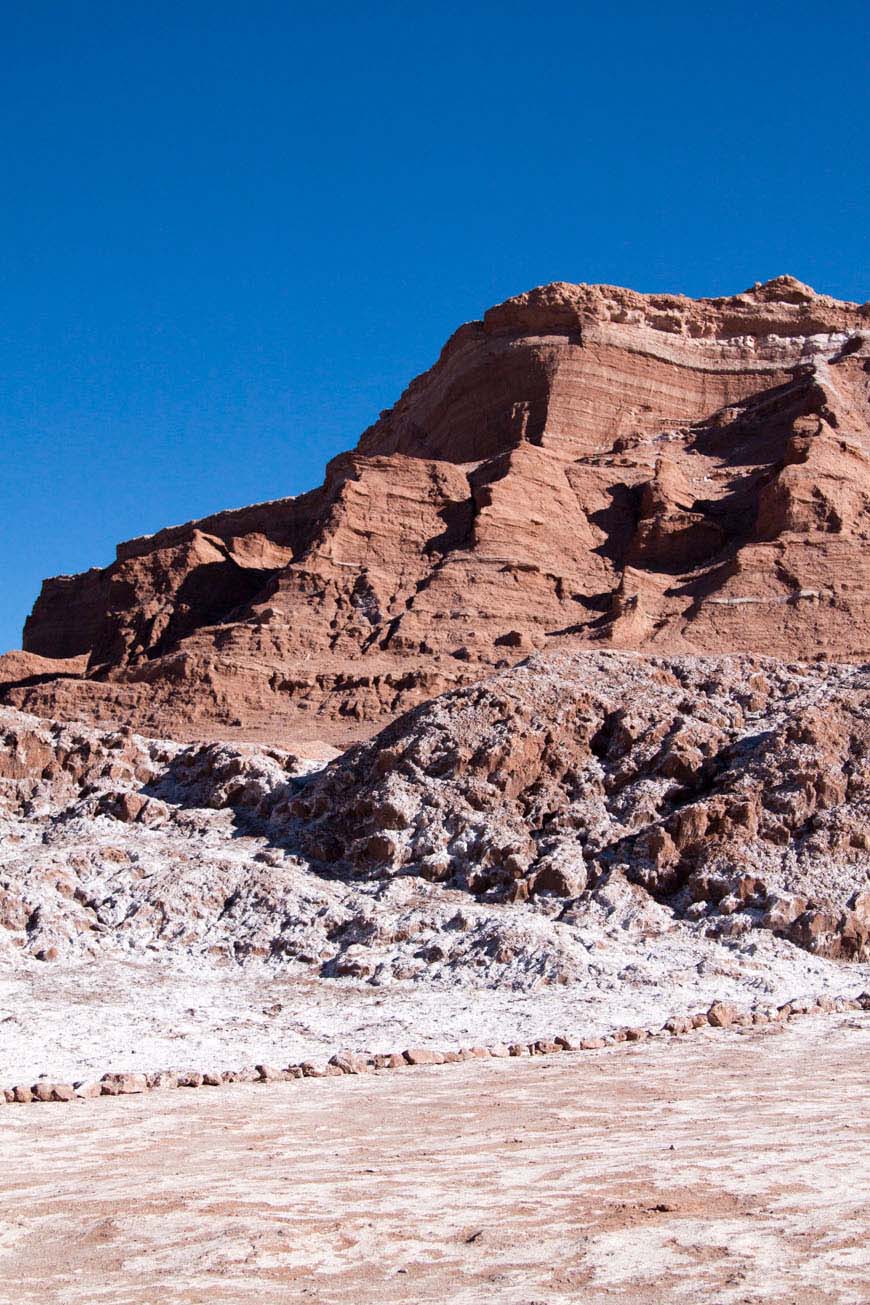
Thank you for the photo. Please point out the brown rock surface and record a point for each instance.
(585, 465)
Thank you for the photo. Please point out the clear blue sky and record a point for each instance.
(230, 233)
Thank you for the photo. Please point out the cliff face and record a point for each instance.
(584, 467)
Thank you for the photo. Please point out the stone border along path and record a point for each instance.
(721, 1015)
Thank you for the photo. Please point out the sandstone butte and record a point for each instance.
(585, 468)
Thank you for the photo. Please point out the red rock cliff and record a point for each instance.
(585, 466)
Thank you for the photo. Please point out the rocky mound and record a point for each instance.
(735, 790)
(584, 466)
(484, 833)
(117, 847)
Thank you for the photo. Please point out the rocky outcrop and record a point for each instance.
(734, 790)
(584, 467)
(481, 835)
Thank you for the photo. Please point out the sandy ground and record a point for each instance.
(730, 1168)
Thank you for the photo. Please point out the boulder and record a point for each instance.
(123, 1084)
(349, 1062)
(423, 1056)
(722, 1015)
(87, 1089)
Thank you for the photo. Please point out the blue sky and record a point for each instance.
(231, 233)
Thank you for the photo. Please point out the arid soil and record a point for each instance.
(732, 1167)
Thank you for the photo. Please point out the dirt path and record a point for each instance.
(726, 1168)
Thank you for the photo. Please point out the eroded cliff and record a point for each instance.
(584, 467)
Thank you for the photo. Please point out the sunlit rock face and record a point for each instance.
(585, 467)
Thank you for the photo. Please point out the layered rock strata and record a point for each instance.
(584, 467)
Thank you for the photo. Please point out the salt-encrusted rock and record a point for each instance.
(591, 1044)
(499, 1051)
(555, 756)
(782, 911)
(211, 1079)
(22, 1093)
(556, 760)
(131, 807)
(560, 872)
(817, 931)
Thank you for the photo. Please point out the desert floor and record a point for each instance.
(726, 1167)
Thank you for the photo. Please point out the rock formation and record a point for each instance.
(727, 795)
(735, 790)
(585, 467)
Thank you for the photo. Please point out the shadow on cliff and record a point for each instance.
(210, 594)
(31, 681)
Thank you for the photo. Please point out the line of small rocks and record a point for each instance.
(721, 1015)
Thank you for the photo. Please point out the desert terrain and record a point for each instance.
(729, 1168)
(483, 835)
